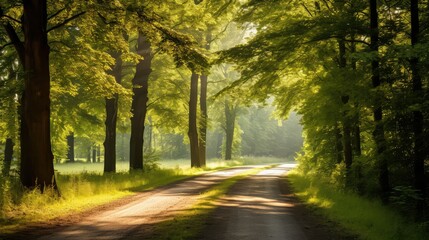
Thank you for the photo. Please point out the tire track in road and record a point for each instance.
(144, 211)
(255, 208)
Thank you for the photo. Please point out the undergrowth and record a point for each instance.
(367, 218)
(78, 192)
(81, 190)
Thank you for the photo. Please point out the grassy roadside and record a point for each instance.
(83, 186)
(363, 217)
(190, 223)
(79, 192)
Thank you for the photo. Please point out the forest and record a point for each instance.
(339, 86)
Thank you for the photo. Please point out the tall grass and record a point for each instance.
(84, 186)
(78, 192)
(367, 218)
(77, 168)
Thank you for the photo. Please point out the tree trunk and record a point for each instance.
(111, 119)
(378, 133)
(8, 155)
(203, 123)
(98, 153)
(347, 141)
(230, 115)
(193, 132)
(94, 154)
(139, 103)
(347, 144)
(356, 139)
(338, 144)
(37, 166)
(219, 145)
(420, 152)
(88, 156)
(204, 116)
(70, 150)
(150, 134)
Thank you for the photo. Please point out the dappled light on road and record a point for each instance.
(135, 218)
(255, 208)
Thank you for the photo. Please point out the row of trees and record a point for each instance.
(256, 133)
(67, 65)
(356, 71)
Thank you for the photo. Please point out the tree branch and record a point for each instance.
(56, 14)
(66, 21)
(336, 37)
(306, 9)
(105, 21)
(7, 44)
(219, 34)
(13, 19)
(13, 36)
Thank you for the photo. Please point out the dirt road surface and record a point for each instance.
(258, 207)
(134, 218)
(129, 221)
(262, 207)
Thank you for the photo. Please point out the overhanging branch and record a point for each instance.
(66, 21)
(13, 36)
(13, 19)
(56, 14)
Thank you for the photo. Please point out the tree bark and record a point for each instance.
(94, 154)
(88, 156)
(347, 141)
(203, 123)
(193, 131)
(111, 119)
(219, 145)
(37, 167)
(150, 134)
(420, 152)
(70, 144)
(230, 115)
(338, 143)
(8, 155)
(139, 102)
(356, 139)
(204, 115)
(378, 133)
(98, 153)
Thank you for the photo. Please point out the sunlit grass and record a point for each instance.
(77, 168)
(80, 192)
(188, 224)
(84, 186)
(367, 218)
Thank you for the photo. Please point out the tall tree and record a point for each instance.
(139, 102)
(8, 155)
(37, 168)
(203, 108)
(70, 147)
(204, 117)
(420, 150)
(230, 118)
(347, 140)
(111, 118)
(193, 129)
(378, 133)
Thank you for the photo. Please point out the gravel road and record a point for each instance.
(263, 207)
(133, 219)
(258, 207)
